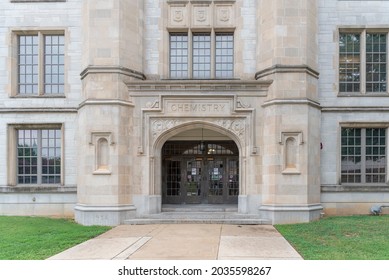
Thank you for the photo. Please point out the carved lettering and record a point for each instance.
(197, 108)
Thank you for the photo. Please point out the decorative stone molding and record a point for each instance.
(226, 111)
(159, 126)
(154, 105)
(294, 101)
(279, 68)
(235, 126)
(241, 105)
(91, 69)
(258, 87)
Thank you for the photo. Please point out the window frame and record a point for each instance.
(41, 33)
(12, 157)
(213, 33)
(363, 155)
(363, 54)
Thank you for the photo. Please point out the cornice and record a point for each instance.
(280, 68)
(198, 86)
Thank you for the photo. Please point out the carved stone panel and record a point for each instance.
(236, 126)
(201, 16)
(178, 16)
(224, 15)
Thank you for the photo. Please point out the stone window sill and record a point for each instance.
(356, 188)
(38, 189)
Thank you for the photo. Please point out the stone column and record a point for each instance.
(112, 55)
(287, 54)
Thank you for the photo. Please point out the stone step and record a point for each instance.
(202, 217)
(200, 208)
(148, 221)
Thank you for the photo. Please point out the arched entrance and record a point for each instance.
(203, 171)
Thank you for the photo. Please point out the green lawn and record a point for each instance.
(36, 238)
(341, 238)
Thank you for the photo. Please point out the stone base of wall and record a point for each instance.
(248, 204)
(345, 201)
(103, 215)
(147, 204)
(290, 214)
(14, 202)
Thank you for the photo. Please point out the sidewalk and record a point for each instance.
(184, 242)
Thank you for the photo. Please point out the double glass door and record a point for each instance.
(202, 178)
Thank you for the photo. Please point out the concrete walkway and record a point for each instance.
(184, 242)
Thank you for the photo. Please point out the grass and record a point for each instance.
(37, 238)
(340, 238)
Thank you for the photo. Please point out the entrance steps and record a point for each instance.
(199, 214)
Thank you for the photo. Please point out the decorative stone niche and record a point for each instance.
(102, 142)
(291, 142)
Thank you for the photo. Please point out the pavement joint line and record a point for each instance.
(132, 248)
(220, 238)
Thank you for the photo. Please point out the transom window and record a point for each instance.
(41, 67)
(363, 62)
(363, 153)
(202, 55)
(39, 156)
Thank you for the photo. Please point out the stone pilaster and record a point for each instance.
(112, 55)
(287, 54)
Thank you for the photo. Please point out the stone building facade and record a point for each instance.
(111, 109)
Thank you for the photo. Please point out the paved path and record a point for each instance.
(184, 242)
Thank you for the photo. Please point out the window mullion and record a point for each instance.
(41, 64)
(363, 155)
(39, 160)
(387, 62)
(363, 62)
(190, 54)
(213, 54)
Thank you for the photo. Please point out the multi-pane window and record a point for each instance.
(178, 55)
(224, 55)
(39, 156)
(363, 62)
(41, 67)
(363, 155)
(349, 62)
(201, 56)
(375, 62)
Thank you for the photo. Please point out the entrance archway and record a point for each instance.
(200, 172)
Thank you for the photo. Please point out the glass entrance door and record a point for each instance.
(208, 176)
